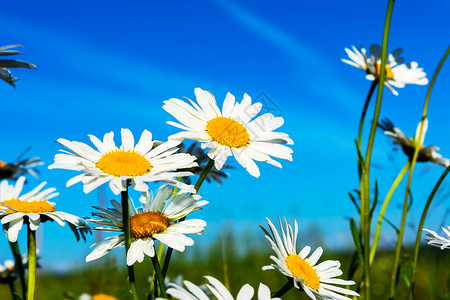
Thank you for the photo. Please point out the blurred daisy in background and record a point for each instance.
(397, 74)
(32, 208)
(315, 280)
(20, 167)
(5, 73)
(157, 219)
(428, 153)
(147, 161)
(232, 131)
(7, 271)
(97, 297)
(436, 240)
(217, 291)
(202, 160)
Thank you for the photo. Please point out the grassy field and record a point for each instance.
(241, 265)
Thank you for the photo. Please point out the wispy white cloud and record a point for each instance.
(313, 69)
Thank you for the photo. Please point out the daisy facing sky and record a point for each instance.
(157, 219)
(144, 162)
(315, 280)
(426, 153)
(397, 74)
(436, 240)
(19, 167)
(232, 131)
(32, 208)
(193, 292)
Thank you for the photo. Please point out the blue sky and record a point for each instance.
(103, 66)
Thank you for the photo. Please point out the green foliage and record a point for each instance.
(240, 259)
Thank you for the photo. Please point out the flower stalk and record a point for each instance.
(12, 289)
(31, 234)
(436, 187)
(198, 184)
(419, 230)
(363, 114)
(364, 181)
(19, 266)
(204, 174)
(284, 289)
(159, 276)
(126, 230)
(160, 255)
(386, 201)
(417, 144)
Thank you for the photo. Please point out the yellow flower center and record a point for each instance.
(228, 132)
(124, 163)
(39, 206)
(301, 269)
(2, 164)
(389, 73)
(146, 224)
(103, 297)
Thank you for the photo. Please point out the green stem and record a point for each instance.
(12, 289)
(419, 229)
(400, 233)
(422, 220)
(284, 289)
(159, 276)
(364, 111)
(31, 263)
(154, 281)
(365, 196)
(205, 172)
(19, 267)
(433, 80)
(417, 144)
(383, 209)
(198, 184)
(126, 230)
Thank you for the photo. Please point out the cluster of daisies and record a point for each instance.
(238, 130)
(398, 74)
(235, 130)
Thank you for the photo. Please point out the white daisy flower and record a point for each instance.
(397, 74)
(155, 220)
(218, 290)
(428, 153)
(141, 163)
(230, 132)
(436, 240)
(315, 280)
(33, 209)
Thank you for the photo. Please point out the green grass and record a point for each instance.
(241, 262)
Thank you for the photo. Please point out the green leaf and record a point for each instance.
(375, 201)
(357, 240)
(354, 264)
(392, 225)
(354, 202)
(410, 200)
(360, 157)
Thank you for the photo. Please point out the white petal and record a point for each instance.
(246, 292)
(127, 139)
